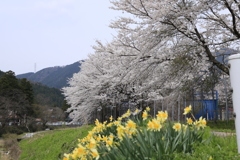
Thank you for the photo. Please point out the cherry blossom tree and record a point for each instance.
(159, 47)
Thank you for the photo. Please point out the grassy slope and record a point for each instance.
(51, 145)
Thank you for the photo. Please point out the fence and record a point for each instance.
(207, 109)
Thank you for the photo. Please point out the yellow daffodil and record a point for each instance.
(203, 121)
(184, 127)
(66, 156)
(162, 116)
(136, 112)
(150, 125)
(92, 143)
(177, 126)
(96, 122)
(154, 125)
(187, 110)
(127, 114)
(109, 124)
(144, 115)
(148, 109)
(120, 131)
(80, 150)
(99, 138)
(75, 154)
(189, 121)
(109, 142)
(104, 138)
(157, 125)
(119, 118)
(95, 154)
(117, 123)
(124, 115)
(111, 136)
(131, 124)
(111, 118)
(130, 127)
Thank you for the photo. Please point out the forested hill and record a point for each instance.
(46, 96)
(1, 73)
(53, 76)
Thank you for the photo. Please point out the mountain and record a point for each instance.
(56, 77)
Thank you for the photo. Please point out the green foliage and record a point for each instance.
(51, 144)
(15, 99)
(10, 86)
(44, 95)
(20, 101)
(13, 130)
(8, 81)
(27, 89)
(65, 106)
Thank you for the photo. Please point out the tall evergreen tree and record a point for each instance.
(16, 97)
(27, 89)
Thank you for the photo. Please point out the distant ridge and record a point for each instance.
(53, 76)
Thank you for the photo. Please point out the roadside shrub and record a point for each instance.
(36, 127)
(13, 129)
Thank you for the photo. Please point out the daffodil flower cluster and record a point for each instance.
(112, 133)
(87, 147)
(157, 123)
(201, 123)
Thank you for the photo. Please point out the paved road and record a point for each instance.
(223, 134)
(29, 135)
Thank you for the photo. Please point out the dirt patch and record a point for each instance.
(4, 155)
(9, 149)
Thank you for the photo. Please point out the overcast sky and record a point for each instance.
(51, 32)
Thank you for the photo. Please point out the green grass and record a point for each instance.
(215, 147)
(222, 125)
(219, 148)
(51, 145)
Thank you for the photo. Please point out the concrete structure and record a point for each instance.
(234, 61)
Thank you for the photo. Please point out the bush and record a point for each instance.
(13, 129)
(36, 127)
